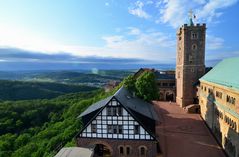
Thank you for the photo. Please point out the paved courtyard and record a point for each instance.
(184, 135)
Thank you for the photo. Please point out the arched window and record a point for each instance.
(142, 151)
(128, 150)
(121, 150)
(194, 47)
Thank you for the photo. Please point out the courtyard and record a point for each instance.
(182, 134)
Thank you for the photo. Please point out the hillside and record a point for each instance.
(22, 90)
(37, 128)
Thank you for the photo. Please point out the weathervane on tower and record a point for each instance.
(191, 16)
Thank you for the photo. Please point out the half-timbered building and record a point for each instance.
(120, 125)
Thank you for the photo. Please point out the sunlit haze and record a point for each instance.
(103, 31)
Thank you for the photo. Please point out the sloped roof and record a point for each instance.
(134, 103)
(75, 152)
(225, 73)
(96, 106)
(160, 75)
(128, 101)
(164, 76)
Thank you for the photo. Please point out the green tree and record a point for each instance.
(146, 87)
(129, 83)
(22, 139)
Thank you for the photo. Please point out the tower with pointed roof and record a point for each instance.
(190, 64)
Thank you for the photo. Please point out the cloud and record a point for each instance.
(18, 55)
(149, 2)
(113, 39)
(214, 43)
(131, 43)
(171, 12)
(134, 31)
(137, 10)
(16, 59)
(150, 45)
(210, 10)
(200, 1)
(175, 13)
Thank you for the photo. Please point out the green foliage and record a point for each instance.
(129, 83)
(39, 127)
(144, 86)
(36, 128)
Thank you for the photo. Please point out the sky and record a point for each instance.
(110, 32)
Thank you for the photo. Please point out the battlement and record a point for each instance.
(194, 25)
(186, 26)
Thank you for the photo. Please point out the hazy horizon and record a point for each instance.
(109, 34)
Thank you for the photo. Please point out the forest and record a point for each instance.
(36, 128)
(41, 127)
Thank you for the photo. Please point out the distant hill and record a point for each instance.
(96, 78)
(24, 90)
(75, 77)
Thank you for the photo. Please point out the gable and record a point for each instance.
(114, 121)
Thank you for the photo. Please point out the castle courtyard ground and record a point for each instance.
(182, 134)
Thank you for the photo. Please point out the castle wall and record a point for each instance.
(221, 115)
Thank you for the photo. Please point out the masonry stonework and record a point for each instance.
(114, 144)
(221, 117)
(190, 64)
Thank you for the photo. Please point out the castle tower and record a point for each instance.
(190, 64)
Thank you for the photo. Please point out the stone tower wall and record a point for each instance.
(190, 64)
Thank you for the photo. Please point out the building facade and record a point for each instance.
(166, 84)
(120, 125)
(219, 103)
(190, 64)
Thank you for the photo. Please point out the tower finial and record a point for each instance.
(190, 14)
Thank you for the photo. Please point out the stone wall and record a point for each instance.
(221, 116)
(113, 145)
(190, 62)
